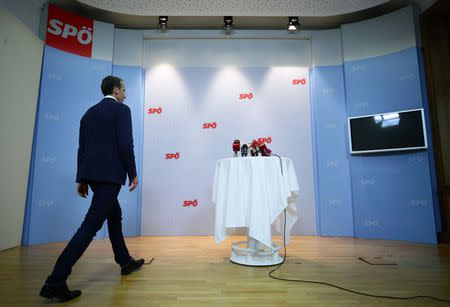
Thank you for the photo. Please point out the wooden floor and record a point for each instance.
(194, 271)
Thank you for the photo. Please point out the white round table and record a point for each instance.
(252, 192)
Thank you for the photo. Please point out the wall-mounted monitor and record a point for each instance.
(401, 130)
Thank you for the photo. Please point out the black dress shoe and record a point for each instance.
(132, 266)
(60, 292)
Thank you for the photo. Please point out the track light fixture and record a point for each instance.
(293, 24)
(163, 22)
(228, 24)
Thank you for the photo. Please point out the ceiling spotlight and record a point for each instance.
(163, 22)
(228, 24)
(293, 24)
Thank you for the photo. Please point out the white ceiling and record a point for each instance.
(248, 14)
(305, 8)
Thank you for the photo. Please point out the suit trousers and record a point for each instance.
(104, 206)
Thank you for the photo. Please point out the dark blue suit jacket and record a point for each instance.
(106, 151)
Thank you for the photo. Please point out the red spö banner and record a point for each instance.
(69, 32)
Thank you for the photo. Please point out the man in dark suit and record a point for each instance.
(105, 158)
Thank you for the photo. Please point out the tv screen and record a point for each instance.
(402, 130)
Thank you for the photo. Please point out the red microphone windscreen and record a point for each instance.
(236, 145)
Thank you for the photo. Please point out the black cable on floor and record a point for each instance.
(332, 285)
(149, 262)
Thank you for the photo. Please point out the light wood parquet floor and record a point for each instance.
(195, 271)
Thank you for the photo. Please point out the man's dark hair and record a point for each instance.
(109, 83)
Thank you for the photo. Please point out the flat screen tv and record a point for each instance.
(393, 131)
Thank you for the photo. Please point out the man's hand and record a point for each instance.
(83, 189)
(133, 183)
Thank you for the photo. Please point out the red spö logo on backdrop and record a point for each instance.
(299, 81)
(170, 156)
(188, 203)
(267, 140)
(69, 32)
(246, 96)
(154, 110)
(212, 125)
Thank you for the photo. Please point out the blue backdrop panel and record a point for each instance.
(392, 197)
(131, 202)
(334, 201)
(382, 84)
(70, 84)
(392, 194)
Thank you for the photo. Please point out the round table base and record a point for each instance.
(255, 253)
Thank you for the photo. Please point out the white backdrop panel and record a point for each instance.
(194, 112)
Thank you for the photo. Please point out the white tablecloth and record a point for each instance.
(251, 192)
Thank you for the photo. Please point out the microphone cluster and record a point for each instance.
(256, 148)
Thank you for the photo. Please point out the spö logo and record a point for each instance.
(367, 181)
(244, 96)
(57, 27)
(371, 223)
(57, 77)
(54, 117)
(212, 125)
(170, 156)
(335, 203)
(419, 203)
(416, 159)
(267, 140)
(332, 164)
(301, 81)
(328, 90)
(407, 77)
(158, 110)
(362, 104)
(48, 159)
(69, 32)
(45, 203)
(358, 67)
(188, 203)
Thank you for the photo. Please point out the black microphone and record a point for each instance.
(244, 150)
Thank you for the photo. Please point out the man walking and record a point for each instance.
(105, 158)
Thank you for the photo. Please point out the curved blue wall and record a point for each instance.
(369, 67)
(385, 195)
(332, 175)
(70, 84)
(392, 192)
